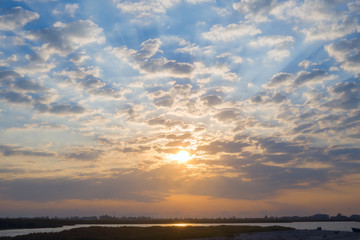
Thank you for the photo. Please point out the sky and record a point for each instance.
(179, 108)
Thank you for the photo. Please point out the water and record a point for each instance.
(332, 226)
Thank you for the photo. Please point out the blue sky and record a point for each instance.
(97, 99)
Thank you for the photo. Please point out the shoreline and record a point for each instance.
(292, 235)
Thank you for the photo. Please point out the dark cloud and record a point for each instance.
(83, 155)
(272, 146)
(279, 78)
(29, 85)
(8, 76)
(105, 141)
(15, 97)
(145, 186)
(61, 109)
(166, 66)
(179, 136)
(164, 121)
(263, 181)
(140, 149)
(227, 115)
(223, 147)
(166, 101)
(345, 153)
(95, 86)
(65, 38)
(316, 75)
(105, 91)
(256, 99)
(20, 151)
(346, 95)
(303, 127)
(346, 52)
(279, 98)
(212, 100)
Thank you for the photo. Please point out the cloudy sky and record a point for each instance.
(179, 108)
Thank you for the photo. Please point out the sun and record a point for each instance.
(182, 156)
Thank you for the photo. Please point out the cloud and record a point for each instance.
(60, 109)
(255, 10)
(39, 126)
(65, 38)
(29, 85)
(83, 155)
(146, 8)
(326, 31)
(220, 146)
(320, 19)
(344, 95)
(315, 76)
(15, 97)
(71, 8)
(231, 32)
(227, 115)
(212, 100)
(280, 78)
(166, 101)
(164, 122)
(199, 1)
(305, 64)
(144, 61)
(280, 45)
(16, 18)
(347, 53)
(9, 151)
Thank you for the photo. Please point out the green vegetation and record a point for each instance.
(145, 233)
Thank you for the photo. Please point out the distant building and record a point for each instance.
(107, 217)
(320, 217)
(89, 218)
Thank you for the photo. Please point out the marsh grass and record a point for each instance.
(146, 233)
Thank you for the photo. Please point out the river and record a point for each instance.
(332, 226)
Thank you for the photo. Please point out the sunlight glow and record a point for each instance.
(182, 156)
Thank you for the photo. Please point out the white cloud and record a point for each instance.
(17, 18)
(273, 41)
(71, 8)
(11, 40)
(332, 30)
(278, 54)
(280, 45)
(199, 1)
(232, 57)
(305, 64)
(10, 60)
(231, 32)
(255, 10)
(319, 19)
(145, 8)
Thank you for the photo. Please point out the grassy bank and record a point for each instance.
(145, 233)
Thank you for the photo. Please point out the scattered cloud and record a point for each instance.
(231, 32)
(15, 18)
